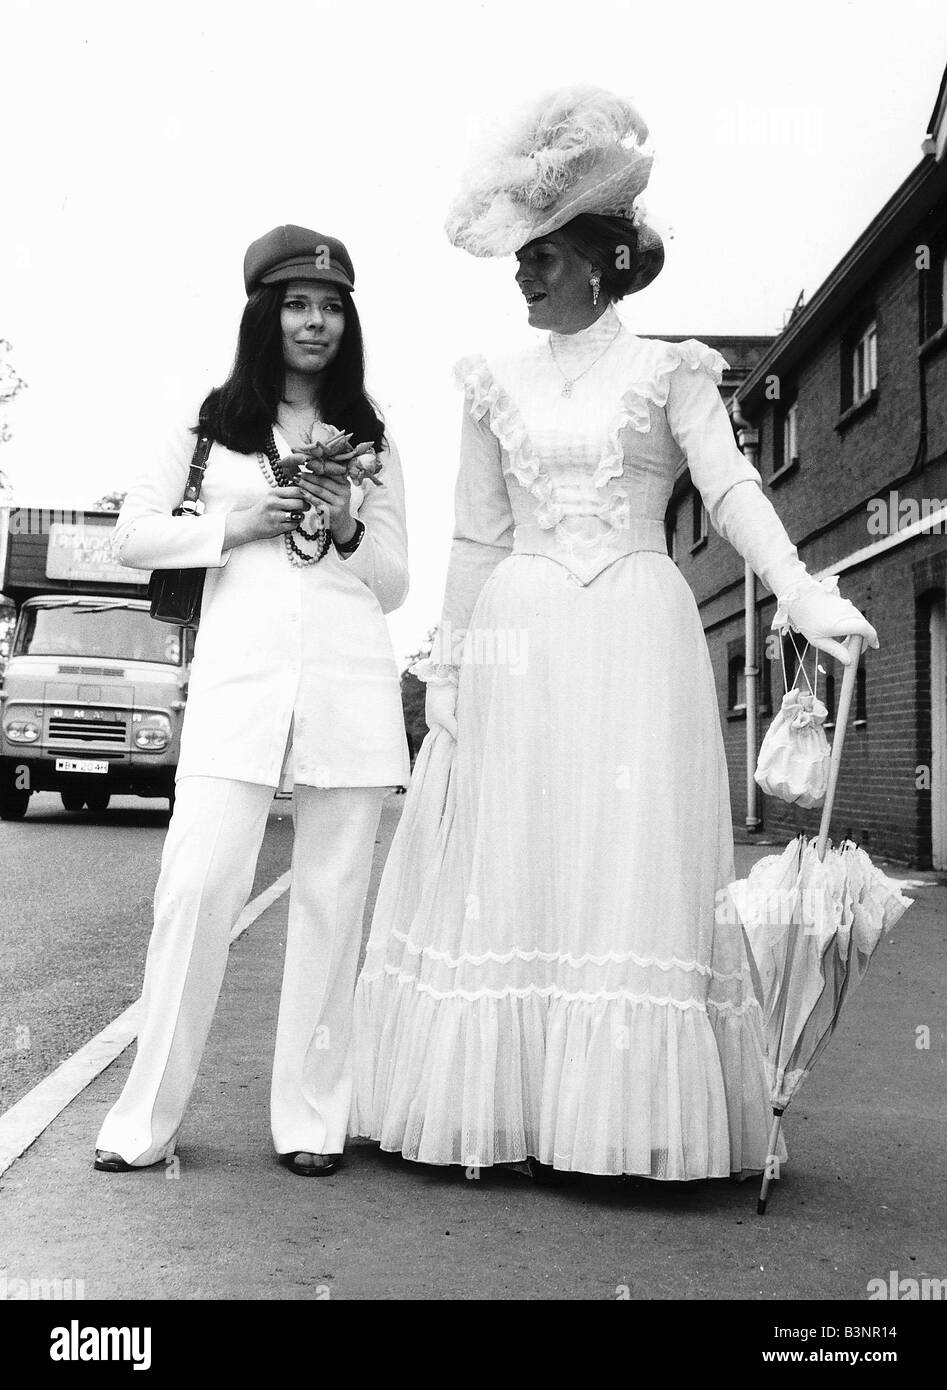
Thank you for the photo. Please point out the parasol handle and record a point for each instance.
(855, 644)
(771, 1162)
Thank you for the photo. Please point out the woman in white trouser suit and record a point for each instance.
(293, 656)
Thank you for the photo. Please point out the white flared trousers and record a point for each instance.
(207, 869)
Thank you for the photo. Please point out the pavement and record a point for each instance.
(861, 1196)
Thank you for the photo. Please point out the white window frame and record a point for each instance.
(701, 517)
(739, 706)
(865, 364)
(791, 434)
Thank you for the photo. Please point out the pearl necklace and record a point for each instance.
(273, 472)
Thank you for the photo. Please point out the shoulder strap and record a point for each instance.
(195, 476)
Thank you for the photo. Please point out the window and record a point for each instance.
(769, 679)
(865, 365)
(699, 519)
(834, 672)
(790, 444)
(860, 702)
(828, 693)
(786, 438)
(792, 650)
(859, 361)
(736, 679)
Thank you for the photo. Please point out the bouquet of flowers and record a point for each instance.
(334, 446)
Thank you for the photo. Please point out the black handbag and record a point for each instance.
(176, 594)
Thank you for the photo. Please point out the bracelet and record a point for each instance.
(346, 548)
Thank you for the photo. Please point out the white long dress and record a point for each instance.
(545, 973)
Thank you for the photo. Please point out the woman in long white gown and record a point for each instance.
(546, 978)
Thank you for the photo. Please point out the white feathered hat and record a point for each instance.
(576, 150)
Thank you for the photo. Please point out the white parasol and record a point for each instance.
(813, 916)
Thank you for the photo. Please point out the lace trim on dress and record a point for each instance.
(634, 411)
(435, 672)
(486, 396)
(560, 958)
(569, 996)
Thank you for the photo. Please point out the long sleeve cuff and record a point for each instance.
(172, 542)
(436, 672)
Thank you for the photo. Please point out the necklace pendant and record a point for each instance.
(567, 388)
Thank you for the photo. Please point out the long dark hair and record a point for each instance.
(239, 413)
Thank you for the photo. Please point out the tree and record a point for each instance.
(10, 386)
(111, 502)
(413, 693)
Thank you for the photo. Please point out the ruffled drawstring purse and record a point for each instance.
(793, 761)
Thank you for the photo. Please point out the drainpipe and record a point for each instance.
(749, 441)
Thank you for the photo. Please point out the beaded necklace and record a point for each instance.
(275, 474)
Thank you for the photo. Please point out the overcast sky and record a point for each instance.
(145, 146)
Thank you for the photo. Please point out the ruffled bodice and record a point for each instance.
(593, 468)
(583, 476)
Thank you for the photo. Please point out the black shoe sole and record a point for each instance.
(304, 1171)
(112, 1165)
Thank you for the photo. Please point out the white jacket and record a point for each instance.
(279, 646)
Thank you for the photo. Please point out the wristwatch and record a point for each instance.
(354, 543)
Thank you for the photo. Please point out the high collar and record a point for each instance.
(576, 350)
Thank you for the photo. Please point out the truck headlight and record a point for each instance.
(153, 733)
(20, 728)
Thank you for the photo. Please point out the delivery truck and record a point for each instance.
(93, 689)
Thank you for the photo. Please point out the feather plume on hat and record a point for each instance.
(575, 150)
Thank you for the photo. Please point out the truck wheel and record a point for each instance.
(13, 803)
(72, 800)
(98, 802)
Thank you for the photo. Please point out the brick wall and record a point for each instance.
(877, 801)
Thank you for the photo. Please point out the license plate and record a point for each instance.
(80, 765)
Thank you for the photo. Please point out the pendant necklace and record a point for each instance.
(569, 382)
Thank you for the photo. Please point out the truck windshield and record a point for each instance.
(120, 634)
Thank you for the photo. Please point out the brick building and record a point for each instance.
(845, 415)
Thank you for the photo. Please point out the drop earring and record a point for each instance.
(595, 280)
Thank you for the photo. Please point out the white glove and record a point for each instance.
(820, 613)
(749, 521)
(440, 702)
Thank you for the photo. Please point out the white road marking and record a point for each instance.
(24, 1122)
